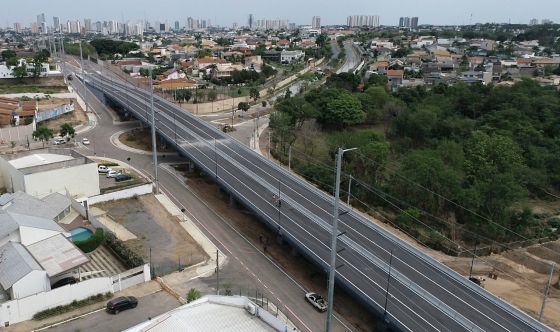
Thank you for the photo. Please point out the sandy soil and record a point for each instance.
(75, 118)
(142, 139)
(158, 232)
(297, 266)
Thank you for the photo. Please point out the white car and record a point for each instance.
(59, 141)
(85, 141)
(103, 169)
(317, 301)
(112, 174)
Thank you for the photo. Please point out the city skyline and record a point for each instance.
(297, 12)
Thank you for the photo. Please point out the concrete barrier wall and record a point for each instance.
(121, 194)
(18, 134)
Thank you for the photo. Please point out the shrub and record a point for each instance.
(92, 243)
(72, 306)
(192, 295)
(128, 257)
(108, 164)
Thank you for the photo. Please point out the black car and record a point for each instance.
(122, 177)
(121, 303)
(64, 282)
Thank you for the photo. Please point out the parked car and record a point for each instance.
(317, 301)
(59, 141)
(64, 282)
(122, 177)
(121, 303)
(69, 77)
(113, 173)
(103, 169)
(85, 141)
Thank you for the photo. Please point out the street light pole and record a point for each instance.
(83, 75)
(154, 146)
(349, 188)
(332, 271)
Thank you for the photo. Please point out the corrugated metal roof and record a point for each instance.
(48, 207)
(57, 255)
(36, 222)
(7, 225)
(6, 198)
(15, 264)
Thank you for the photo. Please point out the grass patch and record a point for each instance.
(72, 306)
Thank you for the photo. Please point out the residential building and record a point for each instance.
(316, 22)
(177, 27)
(395, 79)
(43, 172)
(251, 21)
(362, 21)
(17, 27)
(41, 23)
(533, 21)
(87, 25)
(215, 313)
(414, 23)
(56, 24)
(291, 56)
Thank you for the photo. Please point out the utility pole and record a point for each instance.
(217, 273)
(154, 145)
(83, 75)
(547, 290)
(215, 159)
(472, 261)
(334, 239)
(349, 188)
(290, 157)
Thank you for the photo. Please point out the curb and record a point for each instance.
(117, 143)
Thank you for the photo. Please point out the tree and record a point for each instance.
(43, 134)
(342, 110)
(212, 95)
(244, 106)
(346, 81)
(254, 94)
(8, 54)
(67, 130)
(20, 72)
(322, 40)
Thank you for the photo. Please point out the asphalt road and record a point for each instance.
(419, 295)
(352, 59)
(148, 307)
(251, 265)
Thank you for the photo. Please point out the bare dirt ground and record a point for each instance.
(75, 118)
(142, 139)
(159, 234)
(311, 277)
(522, 274)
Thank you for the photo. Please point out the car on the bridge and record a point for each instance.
(121, 303)
(317, 301)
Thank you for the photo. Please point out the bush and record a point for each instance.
(108, 164)
(128, 257)
(192, 295)
(92, 243)
(72, 306)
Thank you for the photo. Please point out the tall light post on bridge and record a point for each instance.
(334, 239)
(83, 75)
(154, 146)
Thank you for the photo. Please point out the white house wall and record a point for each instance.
(34, 282)
(80, 181)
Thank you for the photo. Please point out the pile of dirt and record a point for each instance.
(545, 253)
(553, 246)
(521, 257)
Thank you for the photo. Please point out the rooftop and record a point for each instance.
(16, 263)
(57, 254)
(48, 207)
(10, 222)
(214, 313)
(38, 159)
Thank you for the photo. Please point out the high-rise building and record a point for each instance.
(73, 26)
(34, 28)
(533, 21)
(17, 27)
(363, 21)
(401, 22)
(316, 22)
(546, 21)
(414, 23)
(190, 23)
(41, 26)
(87, 24)
(177, 27)
(162, 27)
(251, 21)
(56, 24)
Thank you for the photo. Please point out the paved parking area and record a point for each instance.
(148, 306)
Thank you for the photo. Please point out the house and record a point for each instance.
(291, 56)
(45, 71)
(395, 79)
(225, 70)
(172, 74)
(55, 207)
(472, 77)
(271, 55)
(43, 172)
(379, 67)
(203, 63)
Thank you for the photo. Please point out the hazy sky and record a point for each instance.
(225, 12)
